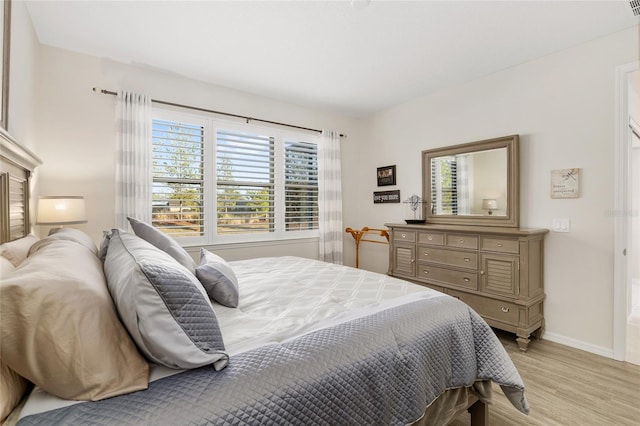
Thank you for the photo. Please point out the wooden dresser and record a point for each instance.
(497, 271)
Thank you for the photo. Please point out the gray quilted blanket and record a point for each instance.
(382, 369)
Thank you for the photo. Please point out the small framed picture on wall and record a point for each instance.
(387, 175)
(565, 183)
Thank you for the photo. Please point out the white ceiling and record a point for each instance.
(354, 57)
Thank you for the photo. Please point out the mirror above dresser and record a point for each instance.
(474, 183)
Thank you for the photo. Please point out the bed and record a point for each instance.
(307, 342)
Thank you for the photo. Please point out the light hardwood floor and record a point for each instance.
(566, 386)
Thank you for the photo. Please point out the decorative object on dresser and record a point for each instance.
(483, 259)
(415, 205)
(497, 271)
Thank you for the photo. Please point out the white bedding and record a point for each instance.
(282, 298)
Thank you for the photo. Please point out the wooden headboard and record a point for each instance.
(17, 164)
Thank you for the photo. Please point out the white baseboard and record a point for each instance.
(578, 344)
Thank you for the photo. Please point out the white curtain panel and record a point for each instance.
(330, 198)
(464, 193)
(133, 158)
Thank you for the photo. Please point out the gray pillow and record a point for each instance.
(218, 279)
(163, 305)
(163, 242)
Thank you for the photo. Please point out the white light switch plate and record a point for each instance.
(561, 225)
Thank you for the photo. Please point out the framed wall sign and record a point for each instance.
(387, 175)
(565, 183)
(380, 197)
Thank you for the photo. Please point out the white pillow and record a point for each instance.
(6, 267)
(218, 279)
(16, 251)
(163, 305)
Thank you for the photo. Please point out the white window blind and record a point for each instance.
(245, 185)
(301, 186)
(444, 197)
(178, 178)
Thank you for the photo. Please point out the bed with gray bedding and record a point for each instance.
(314, 343)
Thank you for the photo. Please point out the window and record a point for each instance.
(245, 189)
(177, 206)
(218, 181)
(301, 185)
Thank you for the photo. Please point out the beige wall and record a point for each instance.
(563, 108)
(23, 77)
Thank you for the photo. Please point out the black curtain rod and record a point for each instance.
(228, 114)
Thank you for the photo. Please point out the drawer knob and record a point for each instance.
(466, 280)
(426, 253)
(499, 244)
(429, 238)
(504, 309)
(426, 272)
(481, 272)
(403, 235)
(413, 260)
(461, 241)
(466, 259)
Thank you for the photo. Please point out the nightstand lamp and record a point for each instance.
(61, 210)
(489, 204)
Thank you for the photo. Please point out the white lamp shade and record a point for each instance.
(489, 204)
(61, 210)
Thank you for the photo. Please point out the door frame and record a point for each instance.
(620, 213)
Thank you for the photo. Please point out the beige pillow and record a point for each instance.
(16, 251)
(12, 385)
(59, 327)
(12, 390)
(73, 234)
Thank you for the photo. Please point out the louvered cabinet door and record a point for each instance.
(499, 274)
(404, 263)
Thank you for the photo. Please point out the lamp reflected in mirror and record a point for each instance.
(489, 204)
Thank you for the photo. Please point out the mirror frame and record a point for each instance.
(512, 218)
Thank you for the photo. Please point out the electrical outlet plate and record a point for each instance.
(561, 225)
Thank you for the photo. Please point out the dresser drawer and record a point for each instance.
(462, 241)
(461, 259)
(431, 238)
(408, 236)
(493, 309)
(448, 276)
(502, 245)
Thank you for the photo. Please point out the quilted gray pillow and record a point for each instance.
(218, 279)
(163, 305)
(163, 242)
